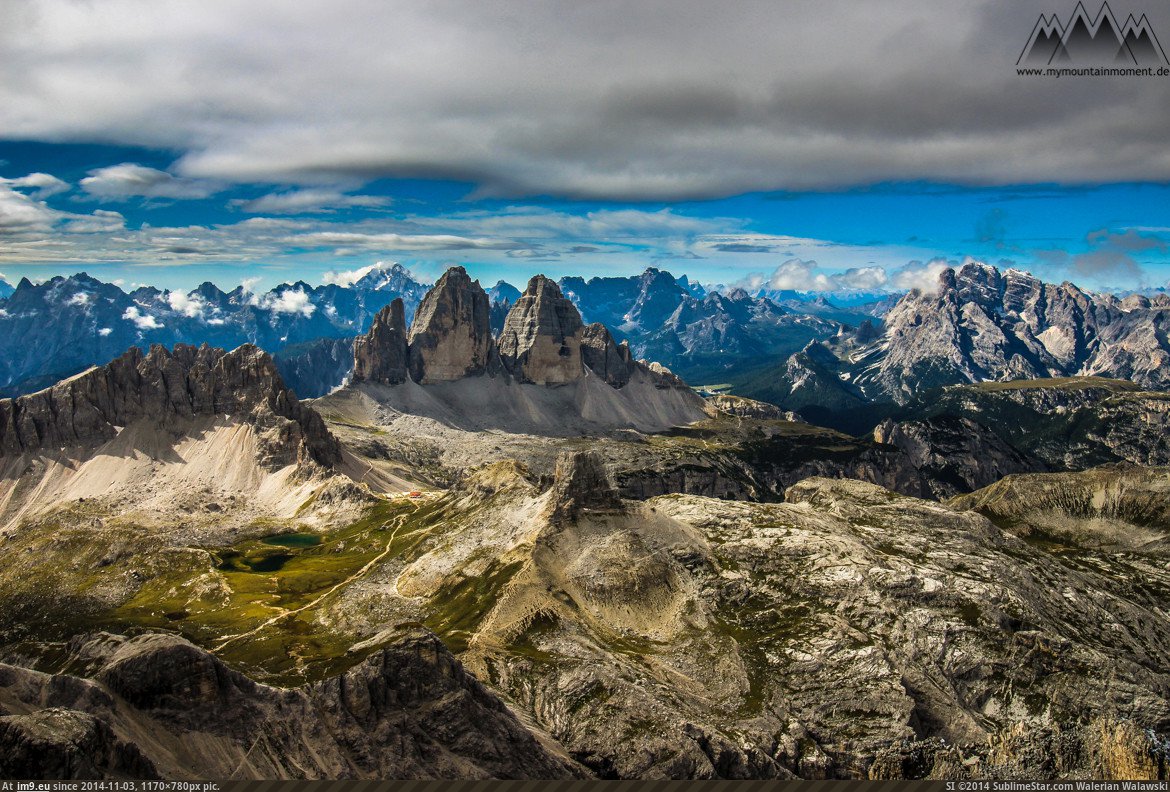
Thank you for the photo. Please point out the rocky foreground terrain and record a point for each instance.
(846, 632)
(522, 553)
(155, 706)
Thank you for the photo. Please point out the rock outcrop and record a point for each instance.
(65, 743)
(740, 407)
(546, 372)
(408, 710)
(166, 387)
(605, 357)
(980, 325)
(541, 339)
(381, 354)
(1068, 424)
(955, 454)
(1115, 508)
(451, 336)
(580, 483)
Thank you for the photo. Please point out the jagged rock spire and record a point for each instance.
(451, 336)
(381, 355)
(541, 339)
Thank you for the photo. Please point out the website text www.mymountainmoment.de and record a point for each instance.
(1092, 71)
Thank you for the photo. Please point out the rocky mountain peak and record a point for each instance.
(541, 338)
(451, 336)
(170, 388)
(606, 358)
(381, 354)
(658, 296)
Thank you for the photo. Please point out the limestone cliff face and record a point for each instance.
(608, 360)
(958, 454)
(541, 339)
(451, 337)
(381, 354)
(167, 386)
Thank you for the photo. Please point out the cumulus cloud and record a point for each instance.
(21, 213)
(249, 284)
(141, 320)
(80, 298)
(309, 200)
(808, 276)
(191, 306)
(921, 275)
(130, 180)
(289, 301)
(105, 331)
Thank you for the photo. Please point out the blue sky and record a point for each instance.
(828, 146)
(184, 231)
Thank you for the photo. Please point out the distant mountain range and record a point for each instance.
(801, 352)
(981, 325)
(66, 324)
(55, 329)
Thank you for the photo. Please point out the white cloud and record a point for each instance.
(797, 275)
(809, 276)
(141, 321)
(21, 213)
(249, 284)
(130, 180)
(289, 301)
(105, 331)
(192, 306)
(350, 277)
(309, 200)
(43, 184)
(80, 298)
(920, 275)
(101, 221)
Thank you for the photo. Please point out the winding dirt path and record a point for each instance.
(400, 521)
